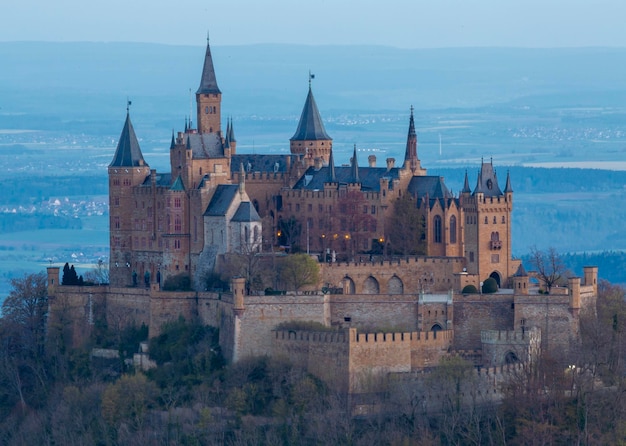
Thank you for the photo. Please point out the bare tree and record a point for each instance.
(551, 270)
(299, 270)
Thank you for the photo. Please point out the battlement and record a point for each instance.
(312, 336)
(399, 261)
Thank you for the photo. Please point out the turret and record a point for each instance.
(354, 168)
(311, 140)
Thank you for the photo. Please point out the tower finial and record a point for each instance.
(128, 104)
(207, 36)
(311, 76)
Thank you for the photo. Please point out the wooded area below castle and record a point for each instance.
(52, 393)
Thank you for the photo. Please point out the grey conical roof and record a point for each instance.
(310, 127)
(466, 186)
(128, 153)
(208, 82)
(354, 168)
(508, 187)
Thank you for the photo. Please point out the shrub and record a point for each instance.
(179, 282)
(490, 286)
(469, 289)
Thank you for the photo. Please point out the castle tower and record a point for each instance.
(411, 161)
(127, 170)
(311, 140)
(488, 227)
(209, 98)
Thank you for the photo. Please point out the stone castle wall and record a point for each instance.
(429, 274)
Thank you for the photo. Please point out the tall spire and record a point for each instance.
(354, 168)
(128, 153)
(507, 187)
(466, 186)
(173, 143)
(227, 138)
(410, 155)
(208, 82)
(231, 132)
(331, 169)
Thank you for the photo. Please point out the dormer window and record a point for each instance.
(489, 184)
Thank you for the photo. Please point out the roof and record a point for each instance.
(246, 213)
(429, 185)
(205, 145)
(208, 82)
(487, 182)
(128, 153)
(178, 185)
(369, 177)
(262, 163)
(310, 127)
(221, 200)
(521, 271)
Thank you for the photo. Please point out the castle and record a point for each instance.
(396, 250)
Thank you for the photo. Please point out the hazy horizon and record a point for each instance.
(400, 23)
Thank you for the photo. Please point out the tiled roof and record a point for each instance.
(431, 185)
(369, 177)
(128, 153)
(205, 145)
(221, 200)
(261, 163)
(310, 127)
(246, 213)
(178, 185)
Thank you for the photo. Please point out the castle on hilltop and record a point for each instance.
(396, 250)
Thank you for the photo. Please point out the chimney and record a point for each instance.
(391, 162)
(372, 160)
(318, 163)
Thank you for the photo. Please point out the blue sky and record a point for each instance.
(400, 23)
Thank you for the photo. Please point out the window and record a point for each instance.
(297, 207)
(503, 219)
(310, 223)
(116, 222)
(373, 209)
(453, 229)
(373, 226)
(495, 220)
(177, 202)
(310, 207)
(495, 258)
(320, 208)
(365, 208)
(116, 201)
(177, 224)
(437, 229)
(486, 220)
(471, 256)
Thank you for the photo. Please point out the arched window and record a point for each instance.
(437, 229)
(371, 286)
(453, 229)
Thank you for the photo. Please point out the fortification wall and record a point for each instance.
(370, 312)
(509, 346)
(552, 314)
(476, 312)
(428, 347)
(429, 274)
(325, 354)
(263, 313)
(75, 309)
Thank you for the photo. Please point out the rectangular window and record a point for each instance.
(365, 209)
(310, 207)
(320, 208)
(495, 258)
(471, 256)
(373, 209)
(116, 222)
(176, 202)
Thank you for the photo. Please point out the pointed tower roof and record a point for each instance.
(521, 271)
(128, 153)
(231, 132)
(332, 177)
(173, 143)
(508, 187)
(410, 154)
(208, 82)
(488, 181)
(466, 186)
(310, 127)
(354, 168)
(227, 138)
